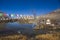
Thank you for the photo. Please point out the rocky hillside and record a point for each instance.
(52, 15)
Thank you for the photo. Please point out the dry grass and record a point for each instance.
(48, 37)
(13, 37)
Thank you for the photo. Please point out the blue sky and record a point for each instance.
(26, 6)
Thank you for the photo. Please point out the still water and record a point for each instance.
(16, 27)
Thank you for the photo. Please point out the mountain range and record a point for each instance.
(52, 15)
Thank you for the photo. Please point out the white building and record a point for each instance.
(48, 21)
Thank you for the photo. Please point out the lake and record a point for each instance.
(16, 27)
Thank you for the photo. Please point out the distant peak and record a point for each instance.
(55, 11)
(58, 10)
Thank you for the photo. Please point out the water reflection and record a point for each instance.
(16, 27)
